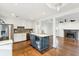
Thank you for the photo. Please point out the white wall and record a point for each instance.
(45, 26)
(20, 22)
(67, 25)
(72, 26)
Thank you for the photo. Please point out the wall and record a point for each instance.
(72, 26)
(20, 22)
(44, 26)
(67, 25)
(47, 27)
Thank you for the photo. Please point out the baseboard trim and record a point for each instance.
(20, 41)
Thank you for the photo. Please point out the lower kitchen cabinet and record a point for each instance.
(40, 43)
(20, 37)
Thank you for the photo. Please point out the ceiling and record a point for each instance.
(32, 11)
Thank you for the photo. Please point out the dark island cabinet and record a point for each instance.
(40, 43)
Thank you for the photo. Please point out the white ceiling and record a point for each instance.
(32, 11)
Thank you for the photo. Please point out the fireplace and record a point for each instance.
(71, 34)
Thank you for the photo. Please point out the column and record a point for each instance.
(55, 41)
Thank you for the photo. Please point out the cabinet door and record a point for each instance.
(44, 43)
(19, 37)
(41, 44)
(38, 42)
(32, 38)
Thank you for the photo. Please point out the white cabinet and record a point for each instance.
(19, 37)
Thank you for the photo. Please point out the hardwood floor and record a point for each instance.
(66, 48)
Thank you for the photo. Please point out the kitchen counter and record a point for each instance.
(40, 35)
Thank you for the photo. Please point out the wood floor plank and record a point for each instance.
(66, 48)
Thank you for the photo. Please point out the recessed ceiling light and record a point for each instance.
(12, 14)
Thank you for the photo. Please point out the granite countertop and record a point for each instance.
(40, 35)
(20, 32)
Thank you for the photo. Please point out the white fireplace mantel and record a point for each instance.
(71, 28)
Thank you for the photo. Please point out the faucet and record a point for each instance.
(42, 32)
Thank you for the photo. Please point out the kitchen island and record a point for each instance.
(39, 41)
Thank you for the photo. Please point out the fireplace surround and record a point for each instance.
(71, 34)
